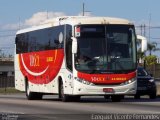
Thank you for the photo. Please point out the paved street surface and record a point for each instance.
(89, 108)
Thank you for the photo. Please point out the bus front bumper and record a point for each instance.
(82, 89)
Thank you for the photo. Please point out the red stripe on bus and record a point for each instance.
(106, 78)
(41, 67)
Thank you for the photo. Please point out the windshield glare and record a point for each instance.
(109, 48)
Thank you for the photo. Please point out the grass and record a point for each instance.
(9, 90)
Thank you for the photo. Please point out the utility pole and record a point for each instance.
(149, 26)
(19, 26)
(141, 27)
(83, 9)
(144, 34)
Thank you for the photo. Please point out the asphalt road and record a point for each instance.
(16, 107)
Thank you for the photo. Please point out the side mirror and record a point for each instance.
(74, 45)
(143, 42)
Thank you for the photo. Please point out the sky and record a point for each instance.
(19, 14)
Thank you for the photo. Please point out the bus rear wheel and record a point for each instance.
(29, 94)
(32, 95)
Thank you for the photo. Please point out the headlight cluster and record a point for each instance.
(129, 81)
(151, 80)
(83, 81)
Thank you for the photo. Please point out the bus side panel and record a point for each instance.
(67, 78)
(53, 87)
(19, 78)
(30, 66)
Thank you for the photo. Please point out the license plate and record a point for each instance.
(141, 88)
(108, 90)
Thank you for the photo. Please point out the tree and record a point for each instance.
(152, 47)
(140, 54)
(151, 60)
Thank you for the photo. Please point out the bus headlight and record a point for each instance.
(83, 81)
(129, 81)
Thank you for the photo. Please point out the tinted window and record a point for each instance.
(54, 37)
(40, 40)
(22, 43)
(87, 31)
(69, 47)
(105, 48)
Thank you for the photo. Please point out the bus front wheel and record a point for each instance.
(67, 98)
(117, 98)
(63, 96)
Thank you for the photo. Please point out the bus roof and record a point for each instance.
(75, 20)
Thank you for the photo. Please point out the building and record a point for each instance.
(6, 67)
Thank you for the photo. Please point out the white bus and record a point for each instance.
(77, 56)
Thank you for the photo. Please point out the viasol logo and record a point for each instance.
(34, 60)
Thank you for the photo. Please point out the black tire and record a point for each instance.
(64, 97)
(32, 95)
(107, 97)
(153, 95)
(38, 96)
(29, 94)
(117, 98)
(137, 96)
(75, 98)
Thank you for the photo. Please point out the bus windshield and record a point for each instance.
(106, 48)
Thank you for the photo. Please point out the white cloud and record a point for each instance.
(7, 36)
(36, 19)
(40, 17)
